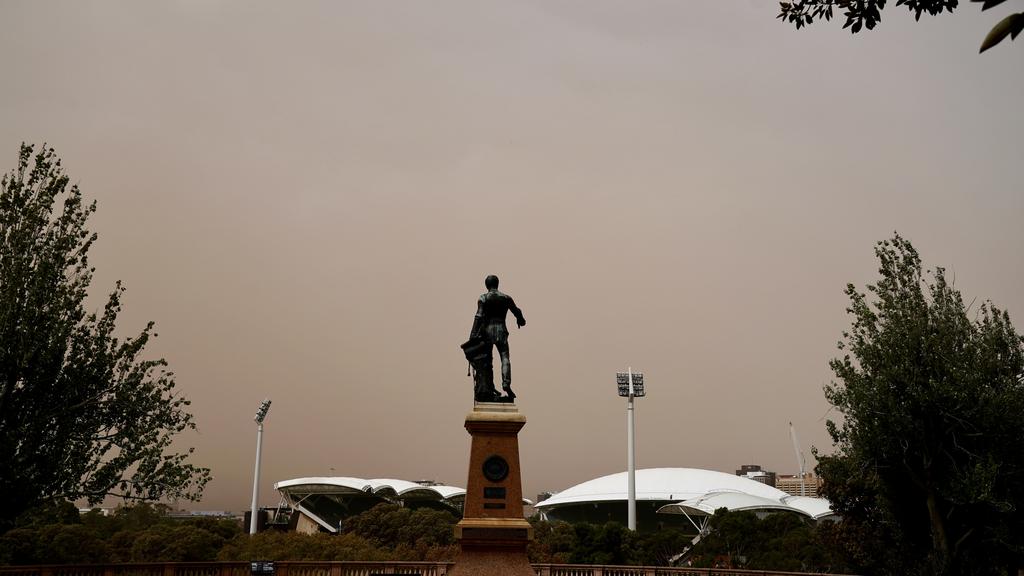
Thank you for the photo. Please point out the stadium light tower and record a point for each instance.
(631, 385)
(261, 414)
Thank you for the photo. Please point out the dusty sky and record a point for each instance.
(306, 197)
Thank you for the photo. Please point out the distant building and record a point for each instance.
(281, 518)
(757, 474)
(807, 485)
(186, 514)
(98, 510)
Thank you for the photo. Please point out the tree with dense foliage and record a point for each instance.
(553, 542)
(82, 414)
(928, 473)
(780, 541)
(861, 14)
(394, 527)
(56, 533)
(273, 545)
(384, 532)
(559, 542)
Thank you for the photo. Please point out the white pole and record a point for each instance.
(631, 441)
(256, 480)
(801, 464)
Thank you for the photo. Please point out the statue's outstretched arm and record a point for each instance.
(520, 319)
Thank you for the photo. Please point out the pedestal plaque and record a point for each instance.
(493, 533)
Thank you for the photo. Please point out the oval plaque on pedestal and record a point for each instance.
(495, 468)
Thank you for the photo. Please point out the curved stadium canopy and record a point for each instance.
(690, 492)
(329, 500)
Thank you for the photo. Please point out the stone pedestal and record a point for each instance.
(493, 533)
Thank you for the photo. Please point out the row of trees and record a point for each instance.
(57, 533)
(783, 542)
(144, 533)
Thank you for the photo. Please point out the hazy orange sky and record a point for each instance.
(306, 197)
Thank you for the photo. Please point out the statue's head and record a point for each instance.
(491, 282)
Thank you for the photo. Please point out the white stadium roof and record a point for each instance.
(691, 491)
(672, 484)
(707, 504)
(816, 508)
(406, 489)
(377, 486)
(328, 499)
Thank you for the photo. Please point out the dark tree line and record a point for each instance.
(56, 533)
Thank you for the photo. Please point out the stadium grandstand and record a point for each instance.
(674, 497)
(323, 503)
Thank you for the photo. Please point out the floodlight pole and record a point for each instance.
(631, 441)
(261, 413)
(630, 386)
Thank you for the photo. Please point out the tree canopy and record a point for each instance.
(83, 415)
(867, 14)
(778, 541)
(56, 533)
(928, 472)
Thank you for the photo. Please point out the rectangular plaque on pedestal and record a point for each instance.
(494, 492)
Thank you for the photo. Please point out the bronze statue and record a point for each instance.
(489, 331)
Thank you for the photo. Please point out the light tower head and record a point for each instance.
(622, 379)
(261, 412)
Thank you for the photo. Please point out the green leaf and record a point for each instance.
(1018, 26)
(1004, 28)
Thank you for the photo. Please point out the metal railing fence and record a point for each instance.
(300, 568)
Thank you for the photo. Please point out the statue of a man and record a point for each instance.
(489, 331)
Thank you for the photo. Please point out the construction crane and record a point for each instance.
(801, 463)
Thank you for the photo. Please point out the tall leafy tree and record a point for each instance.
(861, 14)
(928, 472)
(82, 414)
